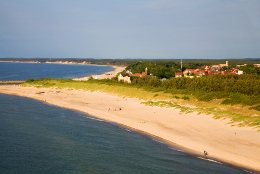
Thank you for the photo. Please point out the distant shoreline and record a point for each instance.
(13, 61)
(109, 74)
(191, 132)
(52, 62)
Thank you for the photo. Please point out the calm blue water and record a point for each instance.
(39, 138)
(23, 71)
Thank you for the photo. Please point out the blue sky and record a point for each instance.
(130, 28)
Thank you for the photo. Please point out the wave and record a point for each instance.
(97, 119)
(211, 160)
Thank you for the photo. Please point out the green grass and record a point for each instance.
(176, 97)
(185, 97)
(94, 85)
(242, 110)
(255, 107)
(236, 98)
(168, 104)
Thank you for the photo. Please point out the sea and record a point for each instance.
(25, 71)
(36, 137)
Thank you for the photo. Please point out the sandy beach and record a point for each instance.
(191, 132)
(107, 75)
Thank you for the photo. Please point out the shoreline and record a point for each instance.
(192, 133)
(106, 75)
(13, 61)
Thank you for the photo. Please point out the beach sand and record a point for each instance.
(107, 75)
(191, 132)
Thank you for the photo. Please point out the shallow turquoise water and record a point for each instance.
(24, 71)
(39, 138)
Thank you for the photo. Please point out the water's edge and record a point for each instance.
(170, 145)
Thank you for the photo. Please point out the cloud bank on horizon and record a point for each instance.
(130, 28)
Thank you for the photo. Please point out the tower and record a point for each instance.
(181, 65)
(146, 71)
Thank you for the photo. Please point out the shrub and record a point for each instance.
(185, 97)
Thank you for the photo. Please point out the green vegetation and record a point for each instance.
(98, 85)
(166, 69)
(233, 89)
(158, 69)
(250, 69)
(168, 104)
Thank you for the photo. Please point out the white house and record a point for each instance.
(124, 79)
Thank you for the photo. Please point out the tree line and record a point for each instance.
(167, 69)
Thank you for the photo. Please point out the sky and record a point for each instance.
(166, 29)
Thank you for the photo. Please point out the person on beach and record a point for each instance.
(205, 153)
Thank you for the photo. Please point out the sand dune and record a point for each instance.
(190, 132)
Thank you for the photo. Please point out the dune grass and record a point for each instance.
(223, 108)
(119, 89)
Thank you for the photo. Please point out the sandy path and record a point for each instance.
(190, 132)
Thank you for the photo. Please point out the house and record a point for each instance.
(124, 79)
(129, 74)
(178, 74)
(199, 73)
(216, 68)
(207, 70)
(194, 72)
(257, 65)
(142, 74)
(233, 71)
(136, 75)
(205, 67)
(188, 72)
(240, 72)
(241, 65)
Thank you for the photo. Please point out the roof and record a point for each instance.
(178, 73)
(137, 75)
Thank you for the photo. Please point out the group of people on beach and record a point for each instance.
(119, 109)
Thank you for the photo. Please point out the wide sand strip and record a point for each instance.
(191, 132)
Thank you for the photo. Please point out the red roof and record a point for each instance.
(137, 75)
(178, 73)
(143, 74)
